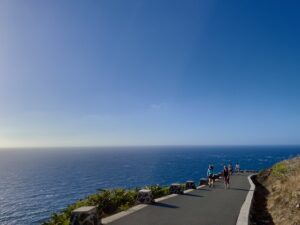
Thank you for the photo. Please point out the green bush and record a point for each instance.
(159, 191)
(107, 201)
(279, 170)
(116, 200)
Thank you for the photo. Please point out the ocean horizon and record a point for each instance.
(36, 182)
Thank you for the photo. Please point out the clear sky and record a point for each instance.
(155, 72)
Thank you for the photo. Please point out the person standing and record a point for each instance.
(226, 175)
(210, 175)
(237, 168)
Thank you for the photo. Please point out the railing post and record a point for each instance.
(190, 184)
(176, 188)
(145, 196)
(86, 215)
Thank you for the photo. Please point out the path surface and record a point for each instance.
(206, 206)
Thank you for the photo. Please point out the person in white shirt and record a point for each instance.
(237, 168)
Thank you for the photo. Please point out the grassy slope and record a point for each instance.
(282, 182)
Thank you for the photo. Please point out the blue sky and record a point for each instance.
(92, 73)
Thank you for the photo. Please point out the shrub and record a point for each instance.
(107, 201)
(159, 191)
(279, 170)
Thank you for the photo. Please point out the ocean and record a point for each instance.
(34, 183)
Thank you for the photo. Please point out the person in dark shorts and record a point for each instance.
(210, 175)
(226, 176)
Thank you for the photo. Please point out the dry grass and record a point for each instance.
(283, 184)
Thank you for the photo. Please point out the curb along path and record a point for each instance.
(243, 218)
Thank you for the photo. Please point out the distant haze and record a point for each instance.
(93, 73)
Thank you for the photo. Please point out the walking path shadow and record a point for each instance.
(204, 189)
(238, 189)
(259, 212)
(161, 204)
(193, 195)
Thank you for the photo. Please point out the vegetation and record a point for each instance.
(280, 170)
(159, 191)
(107, 201)
(282, 185)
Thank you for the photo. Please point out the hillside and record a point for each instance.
(277, 195)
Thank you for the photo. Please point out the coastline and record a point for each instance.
(50, 181)
(265, 188)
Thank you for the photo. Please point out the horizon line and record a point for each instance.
(166, 145)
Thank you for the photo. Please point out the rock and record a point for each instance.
(145, 196)
(176, 188)
(190, 184)
(86, 215)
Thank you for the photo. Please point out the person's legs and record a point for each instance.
(210, 181)
(226, 182)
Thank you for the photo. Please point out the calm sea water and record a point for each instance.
(34, 184)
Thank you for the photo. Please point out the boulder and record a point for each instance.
(86, 215)
(190, 184)
(145, 196)
(176, 188)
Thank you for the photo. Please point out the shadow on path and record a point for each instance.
(193, 195)
(160, 204)
(259, 211)
(231, 188)
(238, 189)
(204, 189)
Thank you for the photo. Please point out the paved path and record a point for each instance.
(207, 206)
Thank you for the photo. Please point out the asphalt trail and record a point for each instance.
(207, 206)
